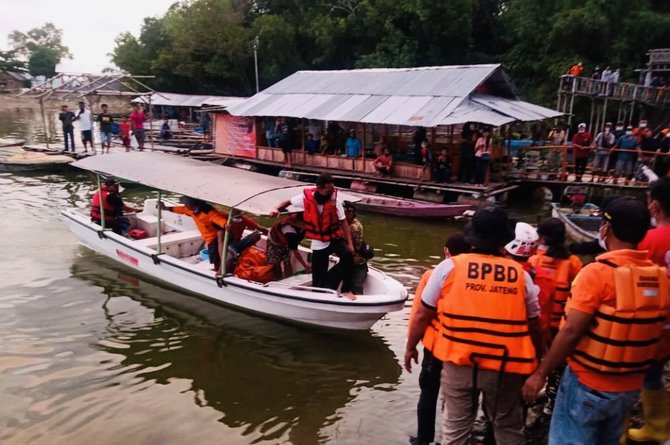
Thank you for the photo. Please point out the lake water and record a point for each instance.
(92, 352)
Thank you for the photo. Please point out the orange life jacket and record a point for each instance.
(559, 271)
(276, 236)
(545, 298)
(432, 330)
(252, 265)
(325, 226)
(624, 339)
(482, 316)
(96, 214)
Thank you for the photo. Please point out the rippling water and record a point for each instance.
(92, 352)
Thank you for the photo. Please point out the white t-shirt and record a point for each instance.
(298, 201)
(84, 120)
(433, 290)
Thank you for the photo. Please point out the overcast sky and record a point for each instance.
(89, 26)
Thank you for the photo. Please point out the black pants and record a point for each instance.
(466, 169)
(580, 166)
(429, 382)
(320, 265)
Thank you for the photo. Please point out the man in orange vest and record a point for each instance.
(488, 320)
(326, 225)
(431, 368)
(614, 318)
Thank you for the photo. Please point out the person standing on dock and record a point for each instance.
(604, 142)
(67, 118)
(353, 145)
(85, 126)
(488, 321)
(628, 143)
(431, 367)
(106, 121)
(466, 165)
(326, 225)
(581, 147)
(137, 125)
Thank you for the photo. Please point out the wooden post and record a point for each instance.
(158, 228)
(44, 122)
(593, 104)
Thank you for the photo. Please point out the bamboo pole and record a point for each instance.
(158, 228)
(102, 205)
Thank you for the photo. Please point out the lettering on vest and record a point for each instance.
(501, 274)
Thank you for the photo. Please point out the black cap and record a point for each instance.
(553, 231)
(489, 228)
(629, 218)
(110, 182)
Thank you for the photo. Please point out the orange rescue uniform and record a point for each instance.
(563, 271)
(208, 223)
(616, 351)
(432, 330)
(482, 316)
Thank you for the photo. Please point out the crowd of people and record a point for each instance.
(131, 128)
(512, 313)
(618, 152)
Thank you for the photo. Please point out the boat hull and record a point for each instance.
(407, 208)
(573, 231)
(322, 309)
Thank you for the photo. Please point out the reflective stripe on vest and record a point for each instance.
(324, 226)
(95, 206)
(482, 316)
(559, 270)
(624, 339)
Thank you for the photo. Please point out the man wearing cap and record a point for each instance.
(581, 146)
(614, 318)
(604, 142)
(487, 312)
(112, 206)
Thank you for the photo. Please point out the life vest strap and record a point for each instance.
(485, 319)
(612, 342)
(641, 369)
(483, 344)
(487, 331)
(610, 364)
(638, 320)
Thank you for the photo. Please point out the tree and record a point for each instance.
(42, 47)
(9, 62)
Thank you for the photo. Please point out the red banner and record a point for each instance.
(235, 135)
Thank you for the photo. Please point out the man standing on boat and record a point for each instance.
(326, 225)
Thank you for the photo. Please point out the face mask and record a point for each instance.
(619, 128)
(643, 125)
(653, 222)
(322, 199)
(628, 133)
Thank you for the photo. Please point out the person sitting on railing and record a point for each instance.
(576, 70)
(581, 147)
(625, 159)
(604, 142)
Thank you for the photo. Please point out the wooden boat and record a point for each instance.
(20, 160)
(170, 253)
(581, 224)
(390, 205)
(11, 142)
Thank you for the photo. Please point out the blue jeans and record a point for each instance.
(586, 416)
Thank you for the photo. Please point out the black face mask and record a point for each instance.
(322, 199)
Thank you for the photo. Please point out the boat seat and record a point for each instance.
(178, 244)
(148, 223)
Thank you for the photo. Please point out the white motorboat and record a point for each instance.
(170, 253)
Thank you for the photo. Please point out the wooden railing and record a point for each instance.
(619, 90)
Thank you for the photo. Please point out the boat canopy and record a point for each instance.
(232, 187)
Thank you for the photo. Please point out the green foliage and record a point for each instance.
(10, 62)
(208, 45)
(42, 47)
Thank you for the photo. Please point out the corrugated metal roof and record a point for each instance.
(187, 100)
(428, 96)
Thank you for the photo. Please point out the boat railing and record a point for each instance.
(302, 287)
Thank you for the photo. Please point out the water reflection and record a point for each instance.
(274, 381)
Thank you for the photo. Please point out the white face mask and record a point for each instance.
(619, 128)
(628, 133)
(653, 222)
(601, 240)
